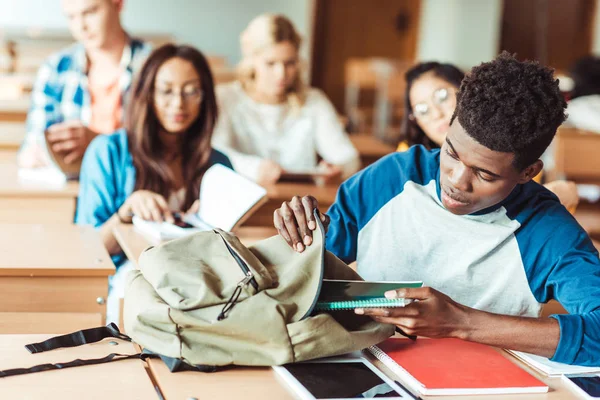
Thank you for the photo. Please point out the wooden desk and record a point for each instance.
(11, 135)
(33, 202)
(14, 110)
(236, 383)
(370, 148)
(261, 383)
(588, 216)
(576, 155)
(280, 192)
(53, 268)
(134, 243)
(47, 322)
(117, 380)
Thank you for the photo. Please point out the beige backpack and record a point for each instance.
(206, 299)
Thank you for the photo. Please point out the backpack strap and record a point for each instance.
(78, 338)
(74, 339)
(94, 335)
(75, 363)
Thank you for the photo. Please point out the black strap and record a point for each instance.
(92, 336)
(75, 363)
(74, 339)
(78, 338)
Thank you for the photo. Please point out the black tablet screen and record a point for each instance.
(341, 380)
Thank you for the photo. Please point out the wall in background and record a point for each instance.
(596, 37)
(463, 32)
(467, 32)
(213, 26)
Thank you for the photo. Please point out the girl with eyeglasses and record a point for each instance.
(430, 100)
(154, 166)
(269, 121)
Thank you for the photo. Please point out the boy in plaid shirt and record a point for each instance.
(79, 92)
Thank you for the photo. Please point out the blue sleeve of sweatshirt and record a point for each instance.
(561, 263)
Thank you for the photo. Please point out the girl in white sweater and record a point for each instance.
(269, 122)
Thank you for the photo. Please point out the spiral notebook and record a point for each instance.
(440, 367)
(347, 295)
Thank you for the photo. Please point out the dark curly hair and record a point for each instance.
(511, 106)
(410, 131)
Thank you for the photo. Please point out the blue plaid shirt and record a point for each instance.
(60, 92)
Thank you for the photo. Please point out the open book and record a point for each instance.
(454, 367)
(227, 199)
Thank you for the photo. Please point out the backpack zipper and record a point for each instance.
(242, 264)
(235, 296)
(248, 279)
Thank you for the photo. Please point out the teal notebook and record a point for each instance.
(347, 295)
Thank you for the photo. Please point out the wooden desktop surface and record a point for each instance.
(128, 380)
(14, 110)
(56, 268)
(53, 250)
(124, 380)
(33, 202)
(370, 148)
(262, 383)
(134, 243)
(248, 383)
(588, 216)
(47, 322)
(11, 135)
(284, 191)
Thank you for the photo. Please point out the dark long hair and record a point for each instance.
(410, 131)
(143, 127)
(586, 77)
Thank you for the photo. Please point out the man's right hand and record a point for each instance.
(295, 221)
(70, 139)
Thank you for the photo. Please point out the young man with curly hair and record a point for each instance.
(491, 244)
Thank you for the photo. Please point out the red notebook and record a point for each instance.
(454, 367)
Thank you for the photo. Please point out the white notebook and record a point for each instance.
(43, 177)
(551, 368)
(226, 200)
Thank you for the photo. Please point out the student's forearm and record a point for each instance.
(532, 335)
(108, 237)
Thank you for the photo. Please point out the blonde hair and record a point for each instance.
(263, 31)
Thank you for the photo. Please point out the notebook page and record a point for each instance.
(225, 197)
(551, 368)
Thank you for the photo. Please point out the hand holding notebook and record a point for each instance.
(226, 200)
(348, 295)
